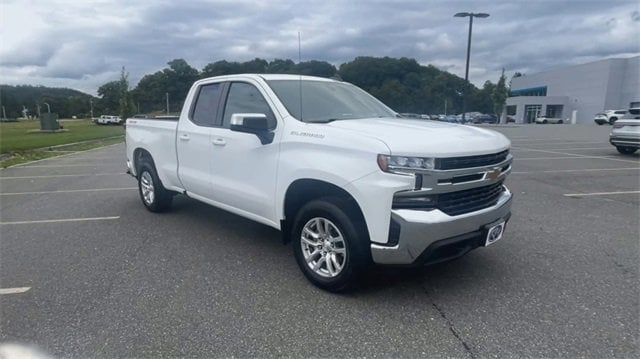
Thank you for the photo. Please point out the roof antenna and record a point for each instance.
(300, 73)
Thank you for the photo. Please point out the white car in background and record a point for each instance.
(109, 120)
(545, 120)
(609, 116)
(625, 135)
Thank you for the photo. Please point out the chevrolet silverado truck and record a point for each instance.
(344, 178)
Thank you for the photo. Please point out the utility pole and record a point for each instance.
(167, 103)
(445, 106)
(91, 105)
(38, 107)
(470, 15)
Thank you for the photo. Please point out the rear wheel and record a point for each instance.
(330, 244)
(612, 120)
(626, 150)
(560, 122)
(545, 122)
(152, 193)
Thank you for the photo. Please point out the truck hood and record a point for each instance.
(427, 138)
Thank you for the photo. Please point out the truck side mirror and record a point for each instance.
(256, 123)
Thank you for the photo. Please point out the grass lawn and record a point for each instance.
(18, 145)
(15, 136)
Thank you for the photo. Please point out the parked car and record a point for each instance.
(486, 118)
(408, 192)
(632, 114)
(609, 116)
(625, 136)
(511, 119)
(545, 120)
(109, 120)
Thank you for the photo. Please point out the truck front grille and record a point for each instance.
(452, 203)
(453, 163)
(455, 203)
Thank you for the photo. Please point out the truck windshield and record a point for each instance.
(324, 101)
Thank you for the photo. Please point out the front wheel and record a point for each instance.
(626, 150)
(330, 243)
(152, 193)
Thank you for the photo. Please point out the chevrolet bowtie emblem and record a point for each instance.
(494, 173)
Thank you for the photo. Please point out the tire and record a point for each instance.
(560, 122)
(331, 249)
(544, 122)
(626, 150)
(613, 120)
(600, 123)
(152, 193)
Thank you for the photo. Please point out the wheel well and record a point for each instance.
(140, 155)
(303, 191)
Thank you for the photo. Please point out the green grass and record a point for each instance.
(15, 136)
(18, 145)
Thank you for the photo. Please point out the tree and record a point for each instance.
(179, 77)
(176, 80)
(109, 97)
(499, 95)
(279, 66)
(315, 68)
(126, 104)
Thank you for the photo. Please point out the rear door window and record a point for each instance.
(205, 110)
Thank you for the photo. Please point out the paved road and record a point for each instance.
(106, 278)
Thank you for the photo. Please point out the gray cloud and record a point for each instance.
(84, 44)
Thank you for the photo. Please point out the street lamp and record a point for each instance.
(167, 94)
(471, 15)
(48, 107)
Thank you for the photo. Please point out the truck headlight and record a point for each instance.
(404, 164)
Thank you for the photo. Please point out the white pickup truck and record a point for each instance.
(346, 179)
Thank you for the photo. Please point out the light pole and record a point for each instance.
(91, 106)
(48, 107)
(471, 15)
(167, 103)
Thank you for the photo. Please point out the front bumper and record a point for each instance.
(427, 237)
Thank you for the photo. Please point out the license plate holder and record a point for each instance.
(494, 233)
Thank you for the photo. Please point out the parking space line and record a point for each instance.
(580, 149)
(584, 170)
(62, 220)
(533, 142)
(16, 290)
(563, 158)
(56, 176)
(63, 165)
(569, 154)
(69, 191)
(599, 193)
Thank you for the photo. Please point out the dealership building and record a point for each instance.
(576, 93)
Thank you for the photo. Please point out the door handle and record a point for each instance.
(184, 137)
(219, 142)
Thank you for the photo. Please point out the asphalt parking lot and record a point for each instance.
(86, 271)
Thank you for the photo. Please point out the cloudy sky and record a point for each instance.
(82, 44)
